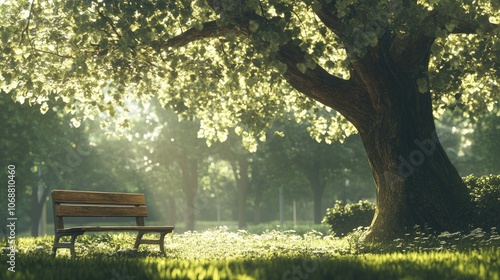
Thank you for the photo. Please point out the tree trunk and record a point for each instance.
(242, 177)
(190, 212)
(317, 188)
(171, 210)
(37, 209)
(416, 182)
(242, 199)
(36, 213)
(318, 209)
(256, 209)
(189, 169)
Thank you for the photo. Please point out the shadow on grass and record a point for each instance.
(390, 266)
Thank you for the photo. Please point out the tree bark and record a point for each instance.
(37, 209)
(189, 169)
(318, 207)
(318, 188)
(416, 182)
(242, 177)
(36, 213)
(256, 207)
(171, 210)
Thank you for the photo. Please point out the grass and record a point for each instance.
(300, 228)
(221, 253)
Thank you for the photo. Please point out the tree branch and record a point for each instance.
(110, 21)
(26, 29)
(327, 15)
(341, 95)
(53, 53)
(210, 30)
(462, 25)
(467, 27)
(414, 51)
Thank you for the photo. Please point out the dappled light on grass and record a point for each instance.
(222, 244)
(222, 254)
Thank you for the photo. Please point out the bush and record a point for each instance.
(343, 219)
(485, 192)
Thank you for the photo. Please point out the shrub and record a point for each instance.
(485, 192)
(343, 219)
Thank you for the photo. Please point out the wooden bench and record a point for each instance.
(68, 203)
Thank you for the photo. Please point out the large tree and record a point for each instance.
(379, 64)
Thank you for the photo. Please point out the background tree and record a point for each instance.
(172, 146)
(43, 148)
(322, 165)
(50, 153)
(241, 161)
(383, 65)
(485, 145)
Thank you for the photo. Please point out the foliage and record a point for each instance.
(485, 192)
(222, 62)
(342, 218)
(221, 254)
(485, 148)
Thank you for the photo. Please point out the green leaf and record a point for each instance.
(5, 36)
(302, 67)
(423, 85)
(103, 44)
(253, 25)
(450, 26)
(281, 67)
(198, 26)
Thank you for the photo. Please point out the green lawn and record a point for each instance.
(301, 227)
(224, 254)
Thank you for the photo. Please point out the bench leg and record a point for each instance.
(70, 245)
(56, 243)
(138, 240)
(160, 241)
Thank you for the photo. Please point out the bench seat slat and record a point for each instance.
(86, 197)
(99, 211)
(167, 229)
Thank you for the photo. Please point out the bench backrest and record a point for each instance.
(68, 203)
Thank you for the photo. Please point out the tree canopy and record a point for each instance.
(223, 61)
